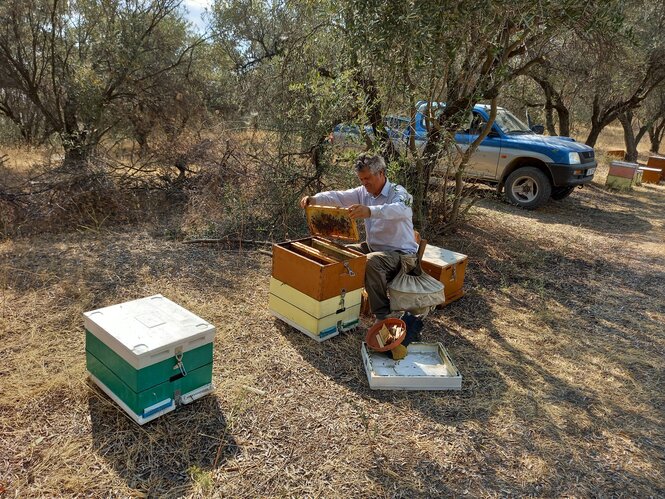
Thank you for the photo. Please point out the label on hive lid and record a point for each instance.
(148, 330)
(330, 221)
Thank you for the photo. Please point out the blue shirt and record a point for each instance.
(390, 226)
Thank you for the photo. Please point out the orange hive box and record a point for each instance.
(657, 162)
(447, 267)
(616, 153)
(650, 175)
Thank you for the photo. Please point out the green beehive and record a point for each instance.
(149, 355)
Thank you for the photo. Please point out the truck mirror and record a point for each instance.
(539, 129)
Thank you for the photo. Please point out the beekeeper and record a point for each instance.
(386, 209)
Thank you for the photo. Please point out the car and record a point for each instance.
(528, 167)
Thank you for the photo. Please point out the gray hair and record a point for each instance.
(374, 164)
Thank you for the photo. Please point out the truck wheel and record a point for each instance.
(528, 188)
(559, 193)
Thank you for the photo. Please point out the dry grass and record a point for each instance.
(560, 341)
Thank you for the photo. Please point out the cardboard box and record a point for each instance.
(149, 355)
(447, 267)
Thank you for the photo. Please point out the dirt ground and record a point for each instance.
(560, 340)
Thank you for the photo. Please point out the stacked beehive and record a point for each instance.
(622, 175)
(149, 355)
(316, 284)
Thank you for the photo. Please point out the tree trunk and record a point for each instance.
(564, 119)
(626, 120)
(79, 144)
(594, 133)
(549, 116)
(656, 135)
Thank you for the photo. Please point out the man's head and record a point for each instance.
(371, 171)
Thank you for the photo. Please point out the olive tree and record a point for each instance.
(76, 61)
(461, 53)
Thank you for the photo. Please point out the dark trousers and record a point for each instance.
(382, 267)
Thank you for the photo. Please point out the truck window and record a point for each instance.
(473, 124)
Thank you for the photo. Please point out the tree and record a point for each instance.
(461, 54)
(78, 61)
(619, 84)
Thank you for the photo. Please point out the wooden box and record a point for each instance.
(318, 297)
(657, 162)
(616, 153)
(149, 355)
(650, 175)
(427, 366)
(622, 175)
(316, 284)
(448, 267)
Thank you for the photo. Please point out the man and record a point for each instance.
(386, 210)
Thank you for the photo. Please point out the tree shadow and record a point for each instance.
(588, 311)
(164, 457)
(93, 269)
(589, 211)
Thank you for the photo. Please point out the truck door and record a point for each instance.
(484, 162)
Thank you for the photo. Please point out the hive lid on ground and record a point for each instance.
(427, 366)
(148, 330)
(331, 221)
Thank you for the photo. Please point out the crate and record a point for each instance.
(427, 366)
(447, 267)
(149, 355)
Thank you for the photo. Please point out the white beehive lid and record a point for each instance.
(427, 366)
(441, 257)
(148, 330)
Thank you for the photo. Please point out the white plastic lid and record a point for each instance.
(148, 330)
(441, 257)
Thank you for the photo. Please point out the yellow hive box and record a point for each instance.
(319, 320)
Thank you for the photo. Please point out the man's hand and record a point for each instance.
(304, 202)
(359, 211)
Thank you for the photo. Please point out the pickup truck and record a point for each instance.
(528, 167)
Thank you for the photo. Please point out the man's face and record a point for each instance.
(373, 183)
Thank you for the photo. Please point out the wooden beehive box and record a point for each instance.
(650, 175)
(316, 284)
(447, 267)
(657, 162)
(149, 355)
(616, 153)
(622, 175)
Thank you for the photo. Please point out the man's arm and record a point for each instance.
(333, 198)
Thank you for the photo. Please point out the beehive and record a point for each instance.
(622, 175)
(316, 284)
(149, 355)
(657, 162)
(650, 175)
(447, 267)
